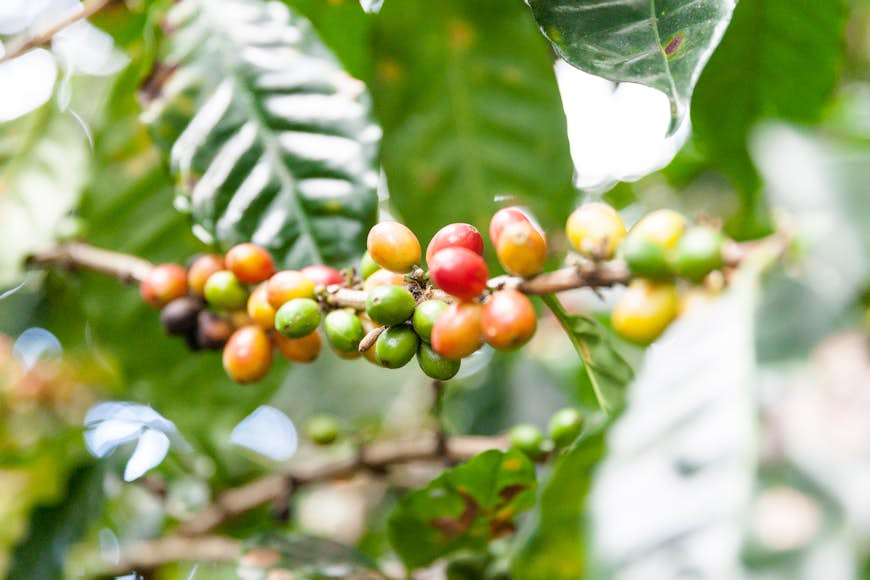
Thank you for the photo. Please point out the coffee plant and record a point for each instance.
(466, 289)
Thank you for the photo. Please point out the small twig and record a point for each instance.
(20, 46)
(150, 554)
(74, 255)
(438, 389)
(371, 338)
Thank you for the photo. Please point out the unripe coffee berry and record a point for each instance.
(247, 356)
(458, 235)
(322, 429)
(396, 346)
(644, 311)
(298, 318)
(250, 263)
(201, 269)
(508, 320)
(367, 266)
(299, 350)
(179, 316)
(425, 315)
(163, 284)
(344, 330)
(565, 425)
(390, 305)
(259, 309)
(698, 253)
(503, 218)
(435, 365)
(287, 285)
(595, 230)
(224, 291)
(522, 249)
(646, 258)
(457, 332)
(212, 331)
(393, 246)
(459, 272)
(528, 439)
(322, 275)
(383, 278)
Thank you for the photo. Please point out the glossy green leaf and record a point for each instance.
(268, 138)
(663, 44)
(554, 547)
(471, 114)
(609, 374)
(463, 508)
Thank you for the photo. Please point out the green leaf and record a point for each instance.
(268, 138)
(308, 557)
(608, 373)
(463, 508)
(54, 528)
(662, 44)
(779, 59)
(553, 549)
(471, 112)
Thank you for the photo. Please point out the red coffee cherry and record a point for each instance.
(508, 320)
(299, 350)
(200, 271)
(522, 249)
(455, 235)
(259, 309)
(457, 332)
(288, 285)
(247, 356)
(503, 218)
(163, 284)
(250, 263)
(459, 272)
(323, 275)
(393, 246)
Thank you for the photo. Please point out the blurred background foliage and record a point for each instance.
(467, 98)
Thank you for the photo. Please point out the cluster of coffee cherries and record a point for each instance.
(672, 264)
(563, 428)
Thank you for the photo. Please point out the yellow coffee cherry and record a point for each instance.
(595, 230)
(664, 227)
(644, 311)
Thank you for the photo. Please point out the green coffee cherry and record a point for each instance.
(224, 291)
(297, 318)
(390, 305)
(367, 266)
(322, 429)
(396, 346)
(344, 330)
(565, 425)
(435, 365)
(645, 258)
(425, 315)
(528, 439)
(698, 253)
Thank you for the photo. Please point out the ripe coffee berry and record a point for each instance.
(322, 429)
(457, 235)
(595, 230)
(457, 332)
(344, 330)
(212, 331)
(389, 305)
(644, 310)
(247, 356)
(250, 263)
(299, 350)
(298, 318)
(286, 286)
(698, 253)
(323, 275)
(522, 249)
(528, 439)
(565, 425)
(200, 271)
(503, 218)
(393, 246)
(179, 316)
(383, 278)
(435, 365)
(508, 320)
(425, 315)
(396, 346)
(163, 284)
(259, 309)
(459, 272)
(224, 291)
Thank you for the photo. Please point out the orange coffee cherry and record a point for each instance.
(503, 218)
(286, 286)
(247, 356)
(457, 332)
(201, 270)
(393, 246)
(163, 284)
(259, 309)
(299, 350)
(383, 278)
(522, 249)
(508, 320)
(250, 263)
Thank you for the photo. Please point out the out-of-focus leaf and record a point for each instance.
(681, 459)
(554, 547)
(662, 44)
(463, 508)
(779, 59)
(306, 557)
(54, 528)
(609, 374)
(269, 139)
(471, 113)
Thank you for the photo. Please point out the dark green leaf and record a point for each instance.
(54, 528)
(269, 139)
(663, 44)
(463, 508)
(554, 546)
(308, 557)
(471, 113)
(609, 373)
